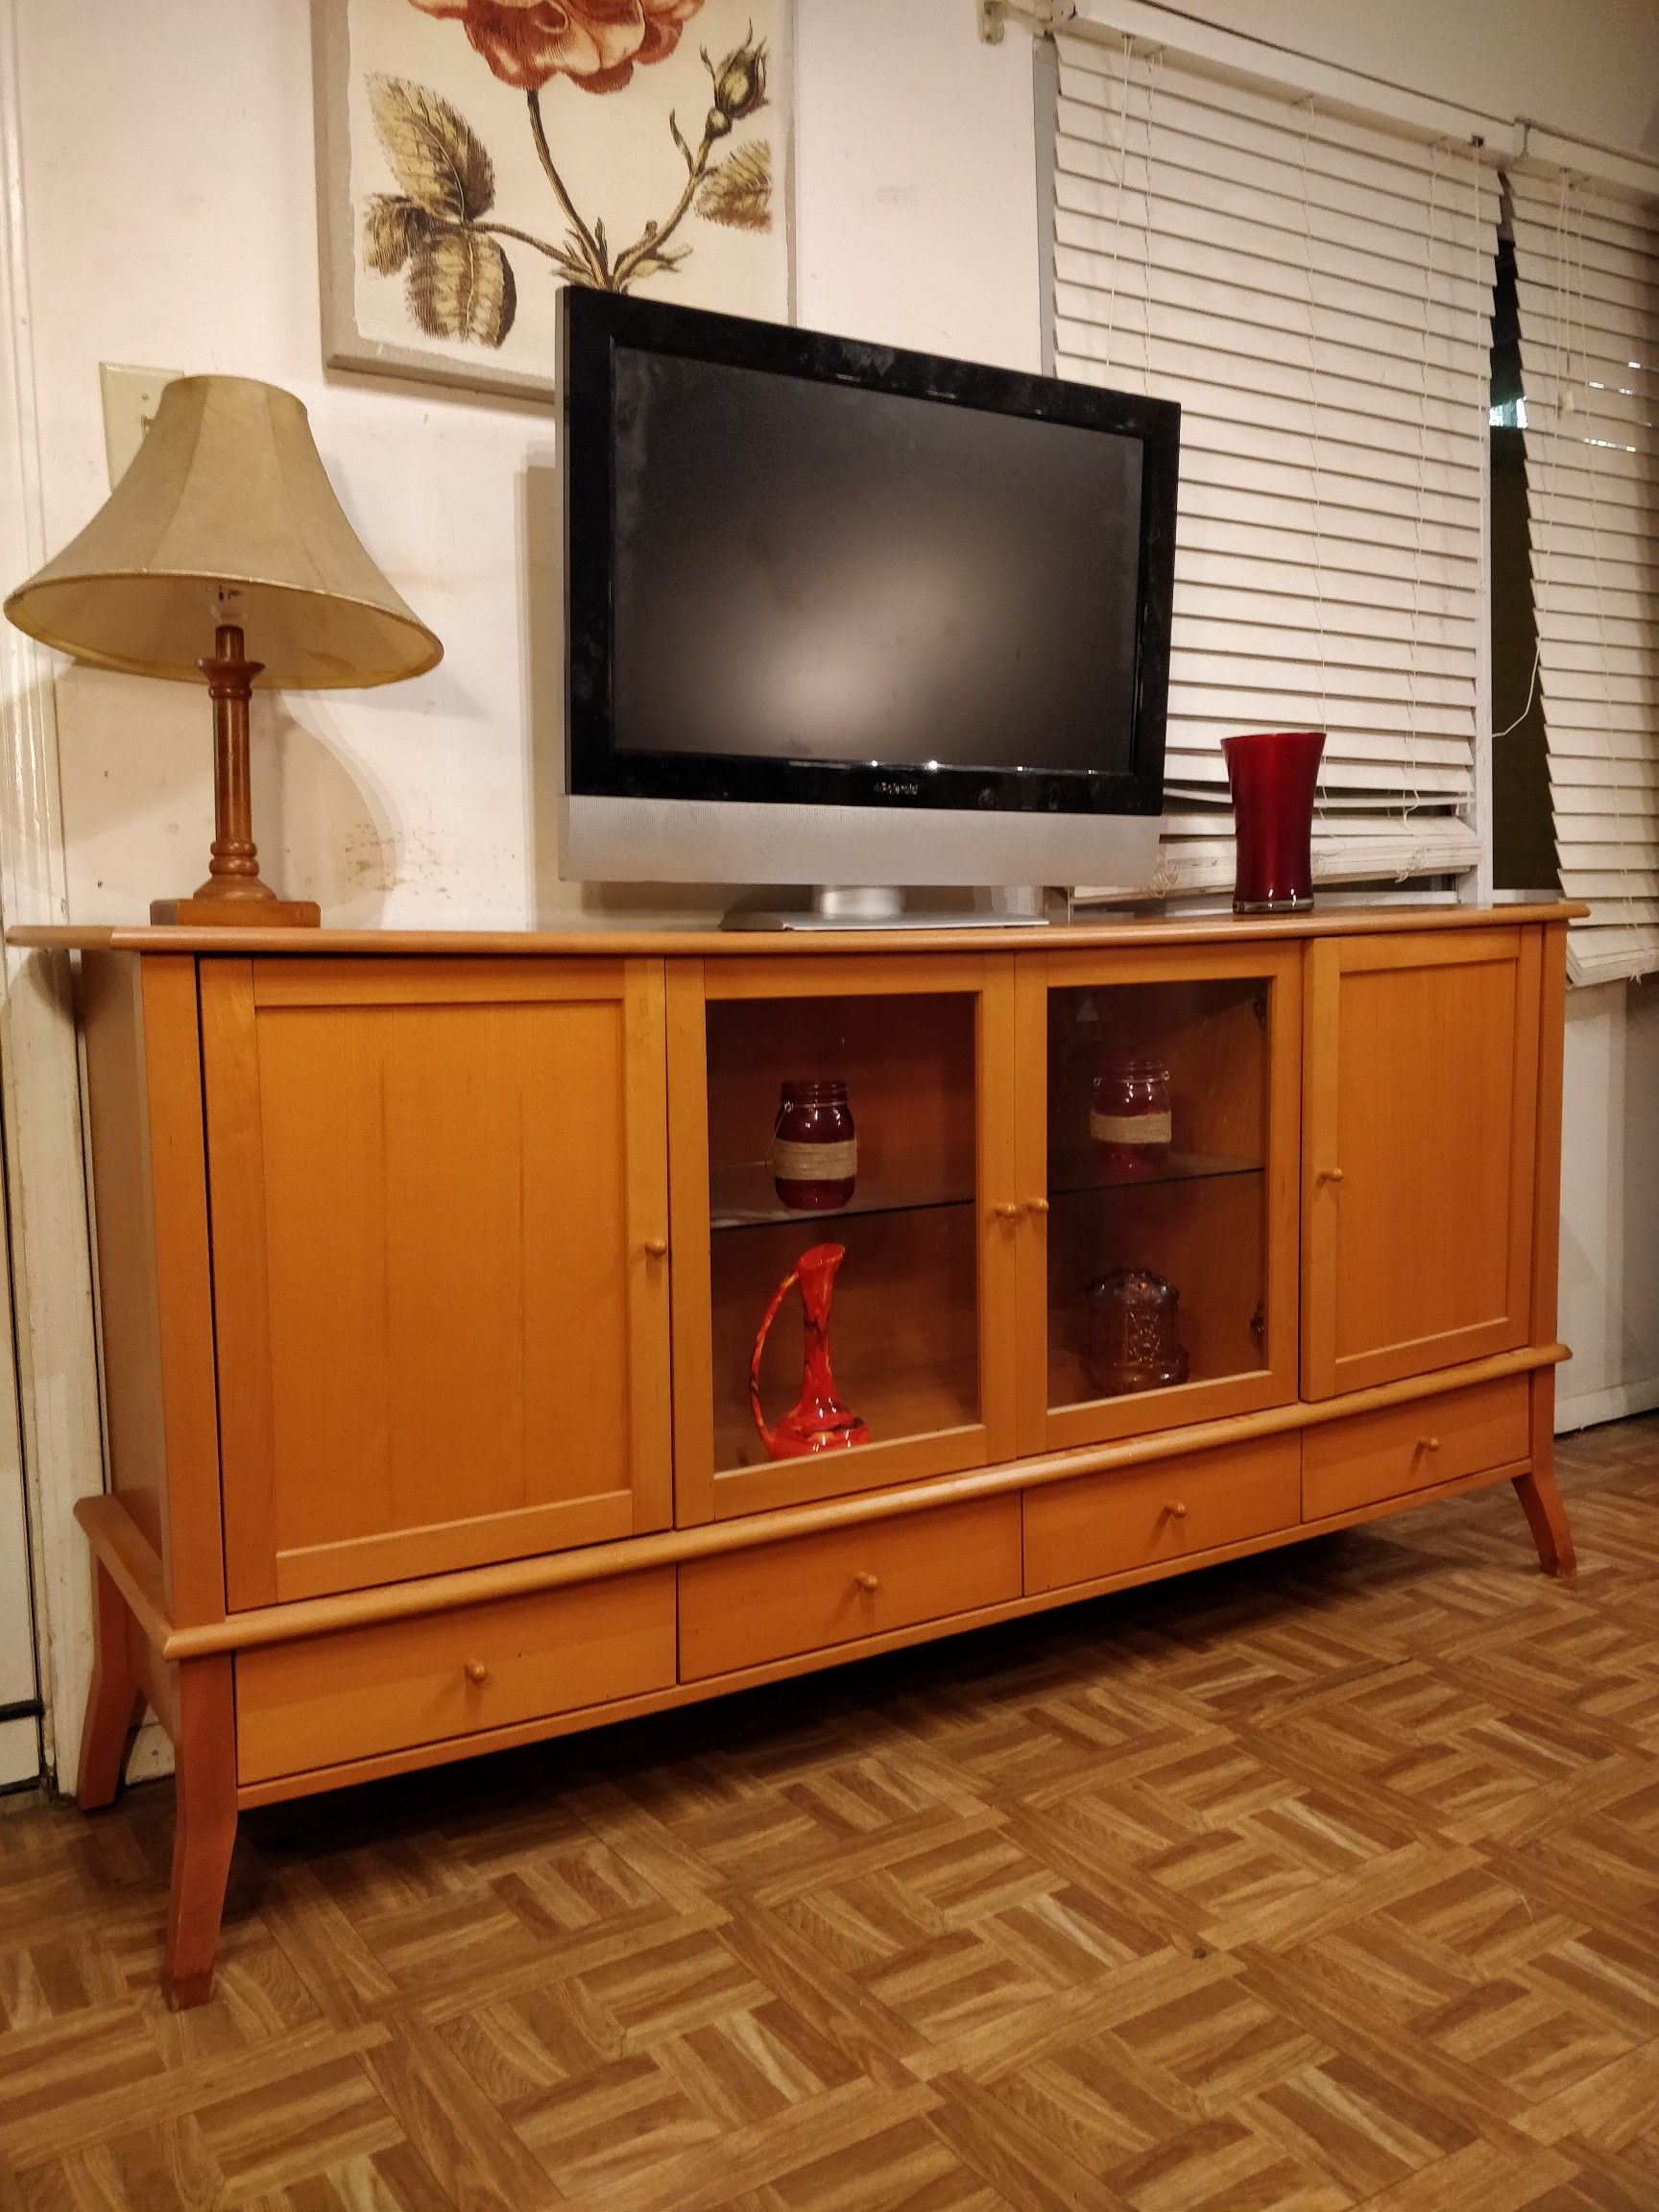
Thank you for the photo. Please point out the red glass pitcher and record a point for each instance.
(818, 1421)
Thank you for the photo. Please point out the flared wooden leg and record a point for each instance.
(1540, 1499)
(114, 1700)
(205, 1831)
(1547, 1517)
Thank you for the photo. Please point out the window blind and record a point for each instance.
(1317, 294)
(1587, 278)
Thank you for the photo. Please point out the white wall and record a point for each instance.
(1587, 68)
(172, 222)
(1610, 1204)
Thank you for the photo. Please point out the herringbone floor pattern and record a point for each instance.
(1330, 1879)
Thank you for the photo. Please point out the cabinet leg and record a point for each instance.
(205, 1831)
(1547, 1517)
(114, 1700)
(1540, 1499)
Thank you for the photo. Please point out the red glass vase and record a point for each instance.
(817, 1421)
(1273, 774)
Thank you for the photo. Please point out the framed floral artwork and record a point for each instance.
(474, 156)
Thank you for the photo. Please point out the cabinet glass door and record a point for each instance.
(1167, 1143)
(830, 1166)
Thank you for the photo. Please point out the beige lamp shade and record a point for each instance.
(227, 494)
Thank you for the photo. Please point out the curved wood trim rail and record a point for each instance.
(136, 1570)
(1118, 934)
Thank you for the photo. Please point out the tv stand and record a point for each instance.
(433, 1432)
(881, 906)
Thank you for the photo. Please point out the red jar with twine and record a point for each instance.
(813, 1158)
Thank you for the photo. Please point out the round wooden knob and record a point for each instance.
(1175, 1509)
(1330, 1174)
(1007, 1210)
(1428, 1443)
(868, 1582)
(657, 1248)
(477, 1671)
(1038, 1205)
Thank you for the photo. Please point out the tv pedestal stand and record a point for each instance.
(881, 906)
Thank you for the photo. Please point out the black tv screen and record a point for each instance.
(803, 568)
(812, 571)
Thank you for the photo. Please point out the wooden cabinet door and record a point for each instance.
(1421, 1116)
(921, 1336)
(438, 1194)
(1209, 1212)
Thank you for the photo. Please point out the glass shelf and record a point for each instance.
(1071, 1177)
(741, 1196)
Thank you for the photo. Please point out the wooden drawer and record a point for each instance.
(1351, 1464)
(1114, 1523)
(811, 1592)
(365, 1690)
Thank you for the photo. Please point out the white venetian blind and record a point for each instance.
(1317, 294)
(1587, 274)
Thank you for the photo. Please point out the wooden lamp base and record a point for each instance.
(234, 895)
(205, 912)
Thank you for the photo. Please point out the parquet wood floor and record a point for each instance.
(1325, 1879)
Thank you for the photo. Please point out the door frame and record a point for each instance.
(49, 1250)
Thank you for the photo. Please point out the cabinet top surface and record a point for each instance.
(1129, 930)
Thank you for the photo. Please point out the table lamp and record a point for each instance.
(225, 532)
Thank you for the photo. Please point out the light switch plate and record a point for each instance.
(130, 399)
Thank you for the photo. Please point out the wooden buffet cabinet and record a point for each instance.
(430, 1268)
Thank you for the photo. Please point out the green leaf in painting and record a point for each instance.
(435, 155)
(393, 226)
(738, 193)
(461, 286)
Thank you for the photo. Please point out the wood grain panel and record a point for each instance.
(817, 1591)
(1405, 1447)
(1421, 1104)
(1111, 1524)
(371, 1690)
(441, 1251)
(144, 1082)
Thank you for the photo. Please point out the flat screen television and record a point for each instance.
(842, 615)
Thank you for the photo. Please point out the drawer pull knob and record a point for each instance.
(1175, 1509)
(1038, 1205)
(657, 1248)
(1007, 1210)
(1330, 1174)
(1428, 1443)
(868, 1582)
(477, 1671)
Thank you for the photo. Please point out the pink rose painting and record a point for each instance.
(500, 149)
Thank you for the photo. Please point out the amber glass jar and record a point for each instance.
(1134, 1340)
(1130, 1117)
(814, 1152)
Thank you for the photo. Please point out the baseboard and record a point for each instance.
(1618, 1404)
